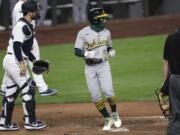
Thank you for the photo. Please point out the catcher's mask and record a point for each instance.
(31, 6)
(97, 16)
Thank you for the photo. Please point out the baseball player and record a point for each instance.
(42, 86)
(16, 77)
(94, 44)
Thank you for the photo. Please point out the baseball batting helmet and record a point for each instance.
(96, 15)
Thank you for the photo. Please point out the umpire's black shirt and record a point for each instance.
(172, 51)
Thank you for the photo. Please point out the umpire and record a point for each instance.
(171, 64)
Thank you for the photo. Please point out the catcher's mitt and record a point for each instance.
(163, 98)
(40, 66)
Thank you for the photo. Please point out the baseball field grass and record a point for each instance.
(136, 70)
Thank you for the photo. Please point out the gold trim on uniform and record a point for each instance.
(94, 44)
(100, 104)
(112, 100)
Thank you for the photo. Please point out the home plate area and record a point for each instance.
(121, 129)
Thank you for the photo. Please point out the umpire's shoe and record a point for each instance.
(49, 92)
(7, 127)
(35, 125)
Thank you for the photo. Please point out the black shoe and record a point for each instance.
(49, 92)
(35, 125)
(9, 127)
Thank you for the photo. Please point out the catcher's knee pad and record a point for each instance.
(11, 90)
(112, 100)
(11, 98)
(28, 90)
(100, 104)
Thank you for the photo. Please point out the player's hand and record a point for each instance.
(22, 67)
(89, 54)
(112, 53)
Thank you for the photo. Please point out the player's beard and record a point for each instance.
(35, 16)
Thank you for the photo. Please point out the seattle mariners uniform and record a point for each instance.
(94, 44)
(17, 78)
(42, 86)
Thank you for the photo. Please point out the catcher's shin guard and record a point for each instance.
(8, 110)
(29, 108)
(29, 104)
(4, 100)
(8, 103)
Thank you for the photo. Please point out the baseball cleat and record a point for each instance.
(35, 125)
(108, 124)
(49, 92)
(117, 121)
(8, 127)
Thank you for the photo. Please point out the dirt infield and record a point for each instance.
(139, 118)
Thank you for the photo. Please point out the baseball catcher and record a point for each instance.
(163, 97)
(40, 66)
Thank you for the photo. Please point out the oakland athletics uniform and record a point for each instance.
(94, 44)
(89, 40)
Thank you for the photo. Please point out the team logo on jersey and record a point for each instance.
(94, 44)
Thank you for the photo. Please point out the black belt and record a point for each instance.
(9, 53)
(92, 62)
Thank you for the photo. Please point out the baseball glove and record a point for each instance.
(163, 103)
(40, 66)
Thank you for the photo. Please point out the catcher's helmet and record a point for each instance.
(96, 15)
(30, 6)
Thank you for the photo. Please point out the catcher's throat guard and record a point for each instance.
(40, 67)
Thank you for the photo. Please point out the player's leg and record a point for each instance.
(76, 14)
(24, 84)
(94, 90)
(40, 82)
(29, 106)
(27, 88)
(105, 78)
(174, 99)
(8, 105)
(10, 95)
(2, 93)
(3, 87)
(83, 11)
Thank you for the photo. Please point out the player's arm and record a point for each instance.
(26, 49)
(110, 49)
(165, 69)
(29, 54)
(78, 47)
(166, 57)
(17, 50)
(18, 54)
(78, 52)
(18, 38)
